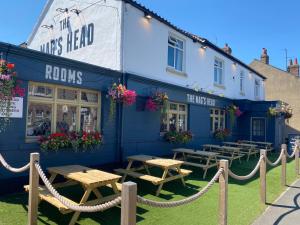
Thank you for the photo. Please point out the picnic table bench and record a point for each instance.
(206, 159)
(226, 152)
(248, 149)
(169, 166)
(90, 179)
(260, 144)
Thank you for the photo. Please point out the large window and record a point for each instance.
(175, 119)
(217, 119)
(219, 72)
(256, 89)
(61, 109)
(175, 53)
(242, 82)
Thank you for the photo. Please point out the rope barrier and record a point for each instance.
(277, 161)
(250, 175)
(12, 169)
(78, 208)
(190, 199)
(293, 154)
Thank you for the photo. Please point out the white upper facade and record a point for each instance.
(117, 34)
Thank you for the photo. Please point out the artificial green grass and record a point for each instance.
(243, 201)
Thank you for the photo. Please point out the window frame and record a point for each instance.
(54, 102)
(242, 82)
(257, 88)
(219, 116)
(177, 112)
(174, 36)
(218, 83)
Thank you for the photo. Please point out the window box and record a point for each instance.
(219, 86)
(176, 72)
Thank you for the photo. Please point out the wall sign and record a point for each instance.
(16, 108)
(63, 74)
(201, 100)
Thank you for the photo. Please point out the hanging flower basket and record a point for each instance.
(9, 88)
(157, 101)
(74, 140)
(284, 110)
(118, 93)
(222, 134)
(234, 112)
(178, 137)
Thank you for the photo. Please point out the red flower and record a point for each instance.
(10, 66)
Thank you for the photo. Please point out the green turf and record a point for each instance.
(243, 201)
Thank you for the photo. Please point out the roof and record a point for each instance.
(141, 7)
(256, 62)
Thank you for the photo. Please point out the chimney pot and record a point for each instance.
(264, 58)
(227, 49)
(293, 68)
(296, 61)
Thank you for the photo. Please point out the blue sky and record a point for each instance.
(247, 25)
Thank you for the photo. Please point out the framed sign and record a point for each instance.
(16, 108)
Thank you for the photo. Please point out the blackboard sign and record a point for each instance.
(292, 140)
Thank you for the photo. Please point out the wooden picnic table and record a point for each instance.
(249, 149)
(226, 152)
(90, 179)
(265, 145)
(169, 166)
(206, 159)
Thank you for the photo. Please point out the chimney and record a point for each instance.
(23, 45)
(264, 58)
(227, 49)
(294, 68)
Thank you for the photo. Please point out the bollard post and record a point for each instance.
(33, 190)
(128, 204)
(297, 157)
(223, 193)
(262, 175)
(283, 165)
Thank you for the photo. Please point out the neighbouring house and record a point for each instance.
(284, 86)
(77, 50)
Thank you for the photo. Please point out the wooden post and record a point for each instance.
(223, 193)
(297, 157)
(128, 204)
(262, 175)
(283, 165)
(33, 190)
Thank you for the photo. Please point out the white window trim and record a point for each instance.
(171, 68)
(219, 116)
(54, 102)
(242, 80)
(257, 94)
(222, 84)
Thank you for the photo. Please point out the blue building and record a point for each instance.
(64, 90)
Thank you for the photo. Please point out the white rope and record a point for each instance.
(250, 175)
(292, 155)
(78, 208)
(277, 161)
(12, 169)
(190, 199)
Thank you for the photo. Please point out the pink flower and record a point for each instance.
(238, 112)
(151, 105)
(129, 97)
(4, 77)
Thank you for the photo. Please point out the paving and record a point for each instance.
(285, 210)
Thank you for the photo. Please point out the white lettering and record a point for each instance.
(48, 72)
(56, 73)
(62, 74)
(79, 77)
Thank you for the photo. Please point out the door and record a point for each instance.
(258, 129)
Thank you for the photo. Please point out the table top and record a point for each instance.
(155, 161)
(257, 142)
(212, 146)
(240, 144)
(195, 152)
(85, 175)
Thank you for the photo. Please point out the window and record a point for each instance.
(175, 53)
(218, 72)
(175, 119)
(217, 119)
(242, 80)
(258, 127)
(256, 89)
(61, 109)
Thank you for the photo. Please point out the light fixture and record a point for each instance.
(234, 63)
(76, 11)
(65, 10)
(147, 16)
(204, 47)
(47, 26)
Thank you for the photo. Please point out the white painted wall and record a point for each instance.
(106, 17)
(146, 54)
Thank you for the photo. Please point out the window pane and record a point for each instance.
(89, 97)
(179, 60)
(173, 106)
(216, 75)
(181, 122)
(182, 108)
(163, 123)
(66, 118)
(66, 94)
(179, 44)
(39, 119)
(40, 91)
(211, 124)
(171, 56)
(172, 122)
(88, 119)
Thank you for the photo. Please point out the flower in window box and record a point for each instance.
(222, 134)
(179, 137)
(157, 101)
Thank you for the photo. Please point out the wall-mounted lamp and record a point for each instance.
(65, 10)
(234, 63)
(76, 11)
(147, 16)
(47, 26)
(203, 47)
